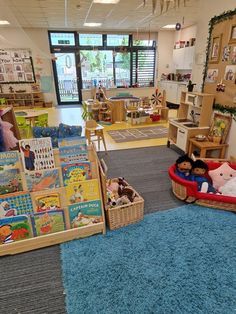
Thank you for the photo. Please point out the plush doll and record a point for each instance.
(184, 167)
(229, 188)
(221, 175)
(199, 170)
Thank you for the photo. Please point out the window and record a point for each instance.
(144, 43)
(122, 69)
(96, 68)
(90, 40)
(62, 39)
(143, 67)
(117, 40)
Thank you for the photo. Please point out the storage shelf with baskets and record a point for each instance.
(23, 99)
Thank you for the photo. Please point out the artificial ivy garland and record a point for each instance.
(215, 20)
(226, 109)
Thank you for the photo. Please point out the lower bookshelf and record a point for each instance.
(50, 239)
(38, 242)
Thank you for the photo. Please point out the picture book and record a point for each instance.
(50, 201)
(15, 228)
(9, 160)
(42, 179)
(73, 141)
(15, 204)
(72, 154)
(82, 191)
(86, 213)
(74, 172)
(37, 153)
(48, 222)
(10, 181)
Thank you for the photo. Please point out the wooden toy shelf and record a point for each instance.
(24, 99)
(62, 236)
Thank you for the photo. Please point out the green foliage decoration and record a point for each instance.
(225, 109)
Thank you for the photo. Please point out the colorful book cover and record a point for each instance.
(15, 204)
(72, 154)
(42, 179)
(48, 222)
(50, 201)
(10, 181)
(37, 153)
(74, 172)
(73, 141)
(14, 229)
(87, 213)
(9, 160)
(82, 191)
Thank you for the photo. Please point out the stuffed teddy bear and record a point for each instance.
(221, 175)
(198, 172)
(183, 167)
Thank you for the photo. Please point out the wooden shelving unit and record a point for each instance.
(68, 234)
(24, 99)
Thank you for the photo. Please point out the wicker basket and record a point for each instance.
(124, 215)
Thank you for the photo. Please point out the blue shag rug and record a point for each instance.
(176, 261)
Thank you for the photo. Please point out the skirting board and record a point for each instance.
(51, 239)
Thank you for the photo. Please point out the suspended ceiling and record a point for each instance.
(127, 15)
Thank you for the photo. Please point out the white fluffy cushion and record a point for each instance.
(229, 188)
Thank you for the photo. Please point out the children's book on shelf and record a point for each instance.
(73, 141)
(9, 160)
(50, 201)
(42, 179)
(48, 222)
(15, 204)
(37, 153)
(82, 191)
(69, 154)
(10, 181)
(15, 228)
(74, 172)
(10, 177)
(87, 213)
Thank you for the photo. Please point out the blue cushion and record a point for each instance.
(69, 130)
(39, 131)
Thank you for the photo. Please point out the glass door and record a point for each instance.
(66, 78)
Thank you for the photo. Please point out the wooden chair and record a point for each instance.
(94, 132)
(23, 126)
(41, 120)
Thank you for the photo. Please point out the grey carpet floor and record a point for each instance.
(31, 283)
(146, 169)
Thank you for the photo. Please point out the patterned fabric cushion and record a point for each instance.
(53, 131)
(69, 130)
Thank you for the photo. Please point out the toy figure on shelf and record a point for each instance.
(11, 89)
(199, 171)
(183, 167)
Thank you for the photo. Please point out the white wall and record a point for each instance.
(186, 33)
(165, 45)
(209, 9)
(37, 41)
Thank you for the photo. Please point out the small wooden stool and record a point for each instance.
(206, 146)
(92, 129)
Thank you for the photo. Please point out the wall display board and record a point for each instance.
(16, 66)
(220, 68)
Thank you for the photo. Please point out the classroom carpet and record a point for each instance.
(138, 134)
(146, 169)
(178, 261)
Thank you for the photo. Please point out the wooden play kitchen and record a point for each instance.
(193, 118)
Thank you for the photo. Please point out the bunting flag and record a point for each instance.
(162, 5)
(144, 2)
(167, 5)
(154, 6)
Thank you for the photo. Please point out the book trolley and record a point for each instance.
(68, 234)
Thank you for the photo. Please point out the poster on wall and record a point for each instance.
(212, 75)
(230, 72)
(16, 66)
